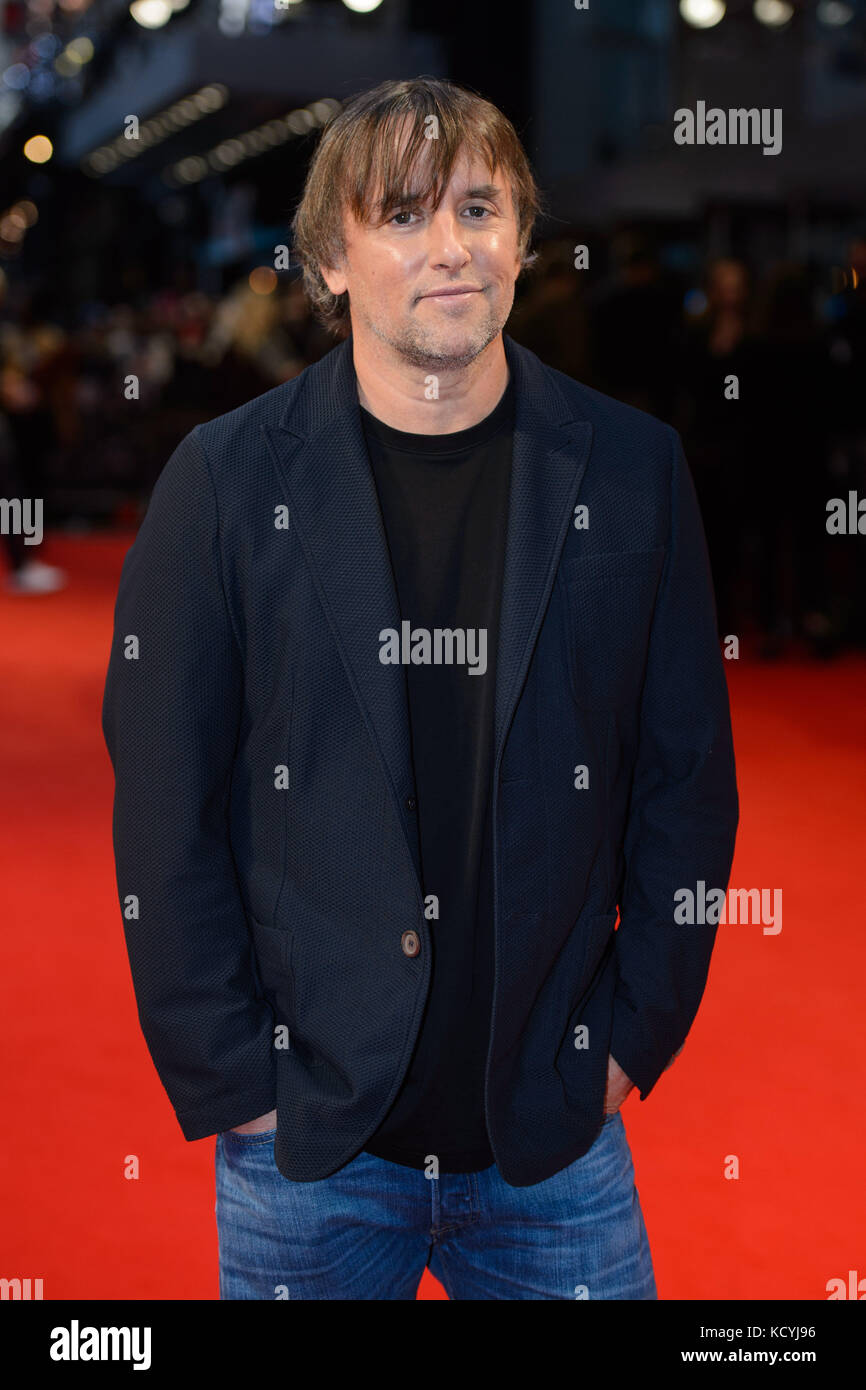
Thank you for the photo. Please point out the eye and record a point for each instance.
(476, 207)
(402, 212)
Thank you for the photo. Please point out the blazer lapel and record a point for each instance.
(549, 459)
(324, 470)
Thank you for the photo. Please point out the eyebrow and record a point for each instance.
(483, 190)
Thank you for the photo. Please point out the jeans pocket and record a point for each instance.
(264, 1136)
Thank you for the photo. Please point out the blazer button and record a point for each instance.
(410, 803)
(411, 943)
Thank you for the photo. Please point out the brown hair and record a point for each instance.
(357, 146)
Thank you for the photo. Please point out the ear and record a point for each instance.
(334, 279)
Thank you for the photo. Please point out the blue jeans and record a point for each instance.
(370, 1229)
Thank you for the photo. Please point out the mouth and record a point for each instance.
(455, 292)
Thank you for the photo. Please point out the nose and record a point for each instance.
(447, 247)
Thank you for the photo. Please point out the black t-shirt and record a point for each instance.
(444, 504)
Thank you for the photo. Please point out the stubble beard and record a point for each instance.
(414, 346)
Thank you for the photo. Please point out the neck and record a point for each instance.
(429, 401)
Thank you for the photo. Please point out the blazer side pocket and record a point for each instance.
(582, 1060)
(273, 949)
(600, 942)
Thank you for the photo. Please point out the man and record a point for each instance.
(415, 689)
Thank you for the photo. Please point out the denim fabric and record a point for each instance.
(369, 1230)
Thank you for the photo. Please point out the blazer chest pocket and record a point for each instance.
(609, 601)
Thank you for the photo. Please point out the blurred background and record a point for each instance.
(147, 284)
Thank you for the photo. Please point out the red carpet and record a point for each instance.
(772, 1071)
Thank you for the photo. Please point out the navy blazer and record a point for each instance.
(265, 831)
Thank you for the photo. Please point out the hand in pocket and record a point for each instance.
(258, 1126)
(618, 1086)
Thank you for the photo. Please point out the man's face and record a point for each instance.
(395, 273)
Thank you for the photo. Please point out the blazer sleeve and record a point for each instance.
(684, 808)
(171, 712)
